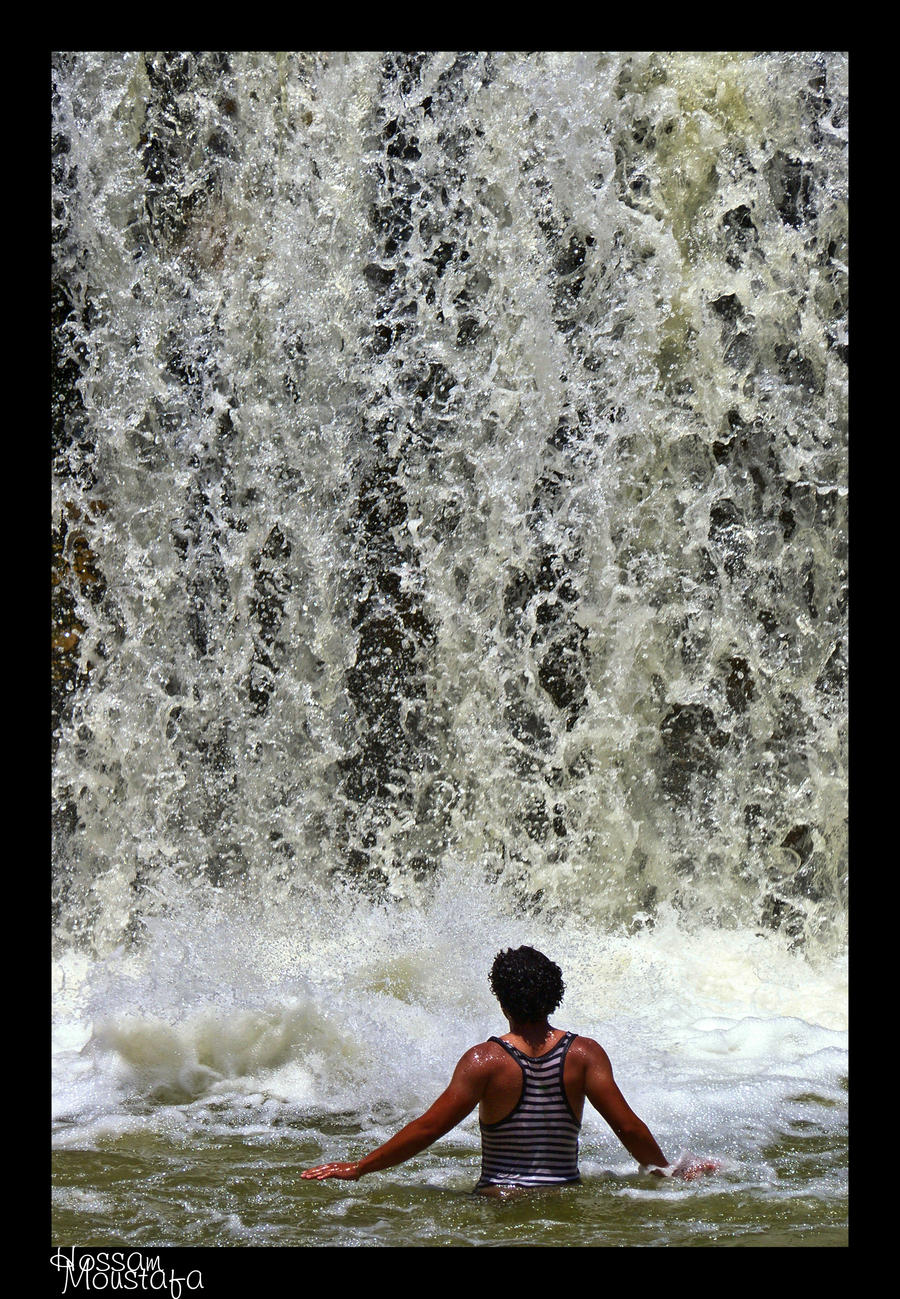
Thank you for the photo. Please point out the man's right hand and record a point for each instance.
(347, 1172)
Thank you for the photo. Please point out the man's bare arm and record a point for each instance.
(636, 1137)
(601, 1090)
(451, 1107)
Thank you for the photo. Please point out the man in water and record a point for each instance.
(530, 1086)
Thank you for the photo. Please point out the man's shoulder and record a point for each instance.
(493, 1050)
(489, 1050)
(484, 1055)
(587, 1048)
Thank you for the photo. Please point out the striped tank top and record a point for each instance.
(537, 1143)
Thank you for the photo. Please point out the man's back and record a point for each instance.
(491, 1077)
(533, 1140)
(586, 1072)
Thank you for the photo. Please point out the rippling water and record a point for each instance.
(450, 549)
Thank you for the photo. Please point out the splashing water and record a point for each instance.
(450, 551)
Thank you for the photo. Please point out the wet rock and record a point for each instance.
(740, 687)
(739, 353)
(791, 186)
(170, 139)
(734, 434)
(441, 257)
(728, 308)
(524, 722)
(75, 577)
(379, 277)
(561, 673)
(726, 532)
(779, 914)
(832, 680)
(690, 740)
(297, 361)
(795, 368)
(740, 233)
(468, 331)
(799, 840)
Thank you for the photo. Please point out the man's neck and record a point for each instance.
(533, 1031)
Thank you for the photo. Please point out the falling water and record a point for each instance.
(450, 549)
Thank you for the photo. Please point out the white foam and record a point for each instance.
(369, 1014)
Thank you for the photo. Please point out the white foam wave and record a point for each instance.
(708, 1032)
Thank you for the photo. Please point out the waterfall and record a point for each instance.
(449, 478)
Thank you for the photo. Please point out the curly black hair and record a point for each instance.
(527, 983)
